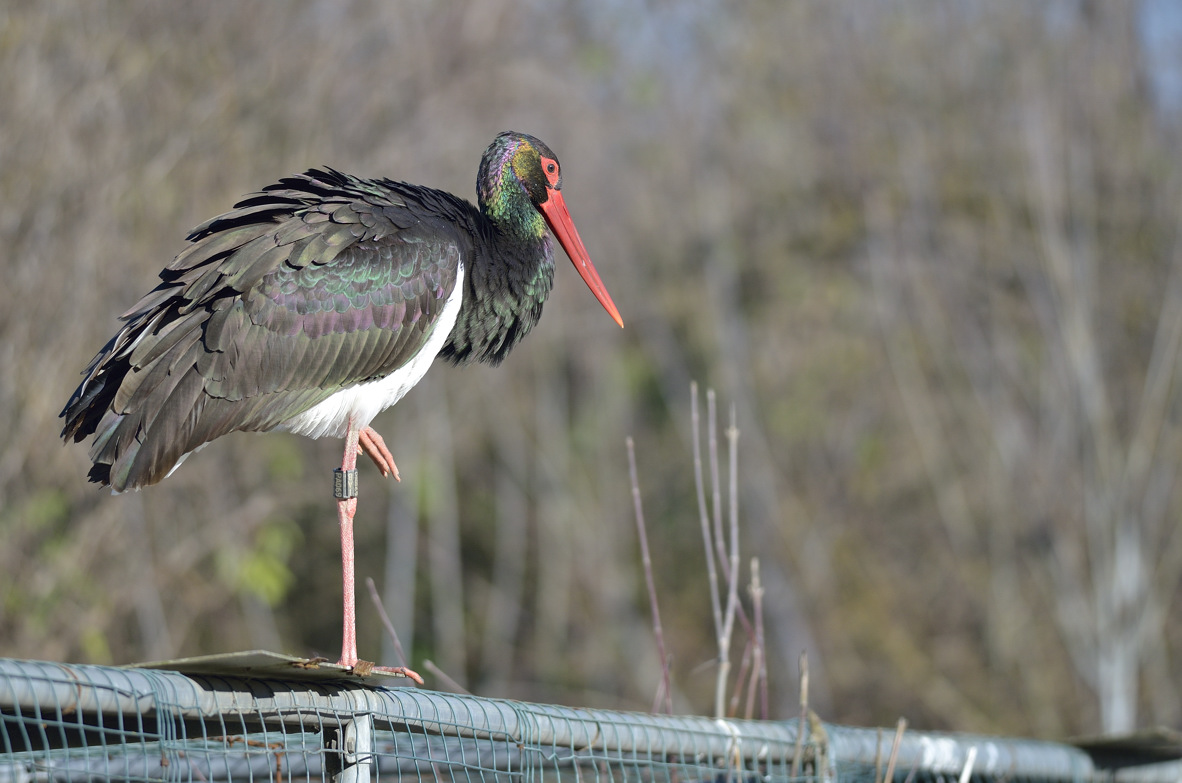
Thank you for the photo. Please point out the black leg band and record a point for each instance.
(344, 484)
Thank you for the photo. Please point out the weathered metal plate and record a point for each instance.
(1147, 746)
(274, 666)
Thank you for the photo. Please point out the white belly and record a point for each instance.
(366, 400)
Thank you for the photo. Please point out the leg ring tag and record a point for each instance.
(344, 484)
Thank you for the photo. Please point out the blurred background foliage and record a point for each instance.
(929, 251)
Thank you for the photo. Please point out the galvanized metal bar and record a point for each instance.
(447, 729)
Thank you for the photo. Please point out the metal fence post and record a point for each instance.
(351, 750)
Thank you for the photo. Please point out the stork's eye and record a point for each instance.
(550, 168)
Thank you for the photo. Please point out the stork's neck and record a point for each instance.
(504, 199)
(510, 277)
(512, 265)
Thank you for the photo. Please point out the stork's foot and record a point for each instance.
(365, 668)
(375, 448)
(405, 672)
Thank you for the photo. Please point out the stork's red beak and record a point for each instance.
(554, 210)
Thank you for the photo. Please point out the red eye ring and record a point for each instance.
(550, 169)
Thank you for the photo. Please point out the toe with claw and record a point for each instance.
(375, 448)
(365, 668)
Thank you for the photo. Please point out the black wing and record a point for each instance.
(318, 283)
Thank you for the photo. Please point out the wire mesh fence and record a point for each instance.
(74, 722)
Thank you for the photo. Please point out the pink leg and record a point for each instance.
(375, 448)
(346, 509)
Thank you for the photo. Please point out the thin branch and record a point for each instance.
(967, 773)
(447, 682)
(900, 727)
(724, 662)
(720, 546)
(715, 481)
(703, 511)
(732, 571)
(804, 713)
(752, 680)
(649, 582)
(759, 672)
(377, 602)
(740, 678)
(662, 695)
(732, 575)
(732, 437)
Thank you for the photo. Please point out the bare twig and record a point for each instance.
(740, 678)
(715, 541)
(752, 680)
(377, 602)
(447, 682)
(967, 772)
(820, 739)
(759, 656)
(715, 481)
(804, 713)
(732, 439)
(900, 727)
(703, 511)
(650, 583)
(732, 578)
(727, 561)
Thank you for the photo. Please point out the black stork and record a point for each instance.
(317, 303)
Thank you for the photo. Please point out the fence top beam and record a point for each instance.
(572, 733)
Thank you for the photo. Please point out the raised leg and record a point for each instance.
(375, 448)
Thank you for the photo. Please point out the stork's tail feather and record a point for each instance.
(143, 445)
(100, 474)
(137, 443)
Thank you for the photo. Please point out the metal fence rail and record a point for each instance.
(74, 722)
